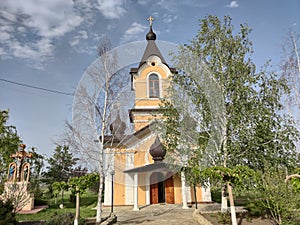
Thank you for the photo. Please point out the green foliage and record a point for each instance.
(275, 198)
(295, 181)
(251, 130)
(59, 186)
(61, 219)
(64, 219)
(7, 217)
(80, 184)
(236, 176)
(9, 142)
(36, 165)
(223, 218)
(60, 166)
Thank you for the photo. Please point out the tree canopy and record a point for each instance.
(60, 165)
(9, 142)
(252, 129)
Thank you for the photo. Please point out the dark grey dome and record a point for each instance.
(157, 151)
(151, 35)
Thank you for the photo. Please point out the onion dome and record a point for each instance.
(150, 35)
(157, 151)
(118, 127)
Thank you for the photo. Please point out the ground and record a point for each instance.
(170, 214)
(211, 212)
(154, 214)
(215, 220)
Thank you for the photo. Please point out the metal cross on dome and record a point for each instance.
(150, 19)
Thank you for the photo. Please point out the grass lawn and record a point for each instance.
(87, 202)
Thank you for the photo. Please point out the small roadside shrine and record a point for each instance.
(16, 186)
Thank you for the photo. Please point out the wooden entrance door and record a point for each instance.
(169, 189)
(157, 190)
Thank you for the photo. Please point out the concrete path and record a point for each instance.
(166, 214)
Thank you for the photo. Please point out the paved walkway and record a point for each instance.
(165, 214)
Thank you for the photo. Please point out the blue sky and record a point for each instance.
(49, 44)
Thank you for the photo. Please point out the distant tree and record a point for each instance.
(36, 165)
(79, 171)
(60, 166)
(237, 110)
(9, 142)
(59, 187)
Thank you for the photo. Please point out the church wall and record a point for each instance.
(142, 157)
(198, 193)
(177, 189)
(119, 179)
(147, 103)
(142, 190)
(140, 89)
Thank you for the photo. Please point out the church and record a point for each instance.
(137, 174)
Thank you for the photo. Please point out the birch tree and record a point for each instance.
(97, 102)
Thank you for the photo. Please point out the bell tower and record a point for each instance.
(149, 82)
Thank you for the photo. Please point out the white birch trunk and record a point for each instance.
(77, 214)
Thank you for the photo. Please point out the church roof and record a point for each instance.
(151, 49)
(150, 167)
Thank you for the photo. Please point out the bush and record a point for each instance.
(275, 198)
(64, 219)
(7, 217)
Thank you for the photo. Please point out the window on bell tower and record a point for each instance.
(153, 85)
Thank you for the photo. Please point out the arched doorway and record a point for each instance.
(169, 188)
(157, 188)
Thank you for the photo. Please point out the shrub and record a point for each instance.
(275, 198)
(6, 214)
(64, 219)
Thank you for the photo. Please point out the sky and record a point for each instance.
(49, 45)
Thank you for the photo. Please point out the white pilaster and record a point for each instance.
(129, 180)
(147, 177)
(183, 191)
(135, 194)
(108, 167)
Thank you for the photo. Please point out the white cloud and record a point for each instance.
(168, 18)
(32, 26)
(133, 31)
(82, 34)
(144, 2)
(49, 18)
(111, 9)
(4, 36)
(2, 52)
(233, 4)
(38, 52)
(175, 6)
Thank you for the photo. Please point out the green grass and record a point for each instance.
(87, 202)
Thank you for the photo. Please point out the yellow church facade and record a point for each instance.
(136, 162)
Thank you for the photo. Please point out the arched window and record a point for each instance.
(153, 82)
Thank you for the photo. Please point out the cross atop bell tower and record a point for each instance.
(150, 19)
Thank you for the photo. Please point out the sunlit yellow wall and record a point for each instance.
(177, 189)
(142, 190)
(119, 177)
